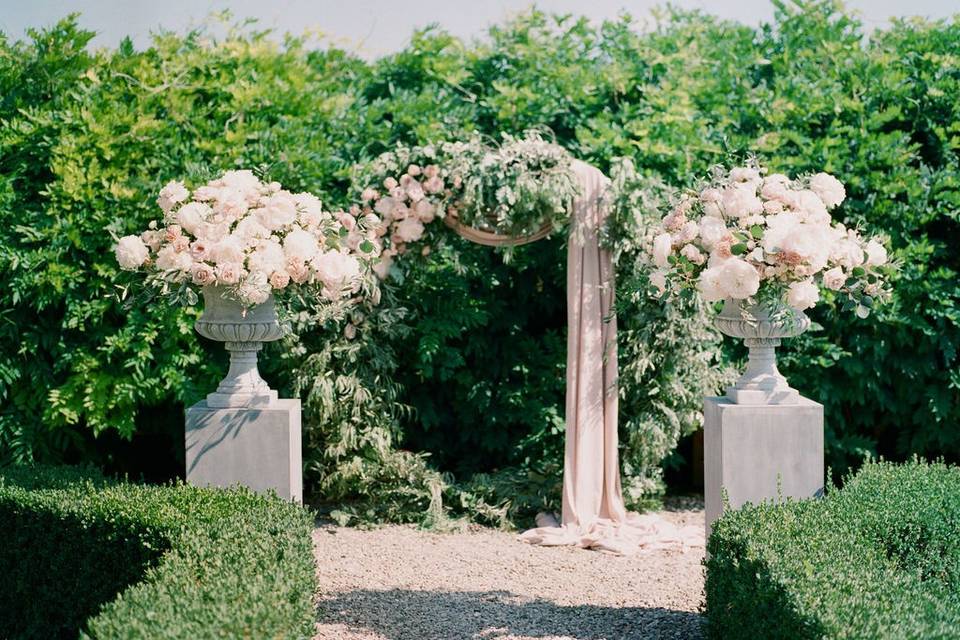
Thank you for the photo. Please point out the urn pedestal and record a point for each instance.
(755, 453)
(762, 441)
(243, 433)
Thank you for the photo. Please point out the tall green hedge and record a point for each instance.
(879, 558)
(87, 138)
(85, 555)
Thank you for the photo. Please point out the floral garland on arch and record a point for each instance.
(766, 239)
(515, 189)
(251, 238)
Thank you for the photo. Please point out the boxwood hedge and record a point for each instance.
(879, 558)
(85, 555)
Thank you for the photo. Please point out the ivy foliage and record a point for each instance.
(463, 360)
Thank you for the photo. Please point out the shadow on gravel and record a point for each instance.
(399, 614)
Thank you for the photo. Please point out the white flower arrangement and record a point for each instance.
(766, 239)
(513, 189)
(252, 238)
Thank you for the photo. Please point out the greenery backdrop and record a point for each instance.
(472, 372)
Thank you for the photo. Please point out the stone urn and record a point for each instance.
(761, 327)
(244, 331)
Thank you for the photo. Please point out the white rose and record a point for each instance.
(712, 231)
(425, 211)
(412, 188)
(231, 203)
(279, 279)
(278, 211)
(267, 258)
(710, 195)
(829, 189)
(662, 245)
(693, 254)
(206, 193)
(779, 227)
(688, 232)
(710, 284)
(228, 251)
(774, 188)
(741, 200)
(433, 184)
(228, 273)
(813, 243)
(337, 271)
(876, 253)
(172, 193)
(803, 295)
(409, 229)
(250, 229)
(834, 279)
(243, 179)
(202, 274)
(744, 174)
(300, 245)
(773, 207)
(311, 209)
(712, 210)
(385, 206)
(131, 252)
(739, 279)
(811, 206)
(169, 259)
(192, 216)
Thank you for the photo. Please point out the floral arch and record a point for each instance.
(512, 194)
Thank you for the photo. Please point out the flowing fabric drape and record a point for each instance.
(594, 515)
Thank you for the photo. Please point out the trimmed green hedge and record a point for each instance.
(83, 554)
(879, 558)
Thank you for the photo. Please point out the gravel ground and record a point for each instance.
(398, 583)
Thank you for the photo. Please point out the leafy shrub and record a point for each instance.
(879, 558)
(460, 365)
(117, 560)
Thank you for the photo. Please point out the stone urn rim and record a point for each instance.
(225, 319)
(760, 320)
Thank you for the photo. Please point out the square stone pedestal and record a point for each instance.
(760, 452)
(258, 448)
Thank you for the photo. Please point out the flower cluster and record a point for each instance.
(253, 238)
(513, 189)
(405, 204)
(747, 236)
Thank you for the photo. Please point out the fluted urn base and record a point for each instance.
(244, 331)
(761, 329)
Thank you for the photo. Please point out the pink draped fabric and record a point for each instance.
(594, 515)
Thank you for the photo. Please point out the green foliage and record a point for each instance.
(465, 358)
(879, 558)
(116, 560)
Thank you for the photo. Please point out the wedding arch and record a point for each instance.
(504, 196)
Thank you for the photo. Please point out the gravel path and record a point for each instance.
(398, 583)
